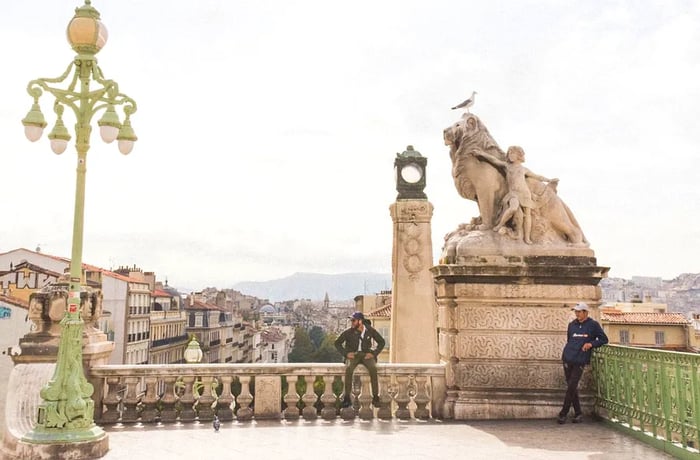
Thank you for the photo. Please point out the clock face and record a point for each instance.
(411, 173)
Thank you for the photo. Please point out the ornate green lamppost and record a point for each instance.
(66, 412)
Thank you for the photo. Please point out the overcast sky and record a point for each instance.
(268, 129)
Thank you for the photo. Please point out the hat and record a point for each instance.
(580, 307)
(357, 315)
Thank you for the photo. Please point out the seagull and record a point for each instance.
(216, 423)
(466, 104)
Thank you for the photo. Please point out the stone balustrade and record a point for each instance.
(198, 392)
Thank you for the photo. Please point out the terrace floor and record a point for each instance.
(340, 440)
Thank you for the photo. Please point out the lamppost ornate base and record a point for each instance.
(23, 439)
(66, 436)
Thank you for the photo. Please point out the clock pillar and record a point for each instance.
(414, 309)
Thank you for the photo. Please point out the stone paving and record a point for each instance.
(339, 440)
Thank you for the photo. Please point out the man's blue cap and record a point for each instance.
(357, 315)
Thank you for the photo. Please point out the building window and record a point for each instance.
(659, 338)
(624, 337)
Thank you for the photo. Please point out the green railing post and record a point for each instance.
(695, 393)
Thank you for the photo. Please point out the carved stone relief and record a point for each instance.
(510, 375)
(514, 317)
(509, 346)
(540, 375)
(529, 291)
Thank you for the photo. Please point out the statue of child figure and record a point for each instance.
(518, 201)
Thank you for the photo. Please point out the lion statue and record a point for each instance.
(468, 139)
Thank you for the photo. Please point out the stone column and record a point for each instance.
(502, 327)
(413, 309)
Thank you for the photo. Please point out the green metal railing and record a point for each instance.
(652, 394)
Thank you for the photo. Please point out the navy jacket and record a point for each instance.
(577, 334)
(349, 340)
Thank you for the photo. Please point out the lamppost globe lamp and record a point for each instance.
(86, 33)
(66, 412)
(193, 352)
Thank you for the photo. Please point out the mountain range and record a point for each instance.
(314, 286)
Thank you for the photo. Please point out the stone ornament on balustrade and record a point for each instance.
(240, 392)
(48, 307)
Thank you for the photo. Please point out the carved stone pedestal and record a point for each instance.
(502, 325)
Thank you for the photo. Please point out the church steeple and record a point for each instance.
(326, 302)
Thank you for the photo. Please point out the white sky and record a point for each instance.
(268, 129)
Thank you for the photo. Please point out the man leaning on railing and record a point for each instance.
(582, 335)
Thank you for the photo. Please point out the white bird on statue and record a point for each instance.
(466, 104)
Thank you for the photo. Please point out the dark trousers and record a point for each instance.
(573, 373)
(370, 364)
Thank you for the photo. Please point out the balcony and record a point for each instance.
(647, 395)
(169, 341)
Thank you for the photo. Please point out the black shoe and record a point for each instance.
(346, 402)
(376, 402)
(561, 419)
(577, 418)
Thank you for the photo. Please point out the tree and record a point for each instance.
(327, 353)
(303, 349)
(317, 334)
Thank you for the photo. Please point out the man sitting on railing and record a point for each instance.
(582, 335)
(355, 344)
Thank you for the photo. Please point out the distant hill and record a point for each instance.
(314, 286)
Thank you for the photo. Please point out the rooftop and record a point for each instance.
(618, 317)
(383, 312)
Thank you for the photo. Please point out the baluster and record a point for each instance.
(223, 404)
(402, 398)
(421, 399)
(291, 398)
(309, 398)
(111, 401)
(150, 412)
(206, 399)
(348, 413)
(187, 413)
(365, 399)
(384, 412)
(328, 399)
(168, 401)
(244, 400)
(131, 400)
